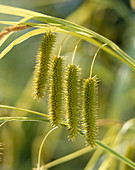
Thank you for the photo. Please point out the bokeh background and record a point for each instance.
(112, 19)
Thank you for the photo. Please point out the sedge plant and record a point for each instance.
(56, 77)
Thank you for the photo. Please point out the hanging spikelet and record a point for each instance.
(42, 64)
(72, 102)
(1, 151)
(90, 110)
(56, 90)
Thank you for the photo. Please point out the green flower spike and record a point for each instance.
(72, 102)
(56, 90)
(42, 64)
(90, 109)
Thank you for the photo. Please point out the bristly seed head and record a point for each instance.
(56, 90)
(42, 64)
(1, 151)
(72, 99)
(90, 109)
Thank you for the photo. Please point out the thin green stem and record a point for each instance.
(75, 51)
(24, 110)
(86, 150)
(3, 123)
(67, 157)
(119, 156)
(27, 118)
(62, 44)
(41, 146)
(101, 122)
(95, 58)
(9, 119)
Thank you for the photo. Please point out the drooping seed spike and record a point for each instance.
(1, 151)
(90, 109)
(72, 99)
(42, 64)
(56, 90)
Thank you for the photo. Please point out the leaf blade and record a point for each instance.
(74, 29)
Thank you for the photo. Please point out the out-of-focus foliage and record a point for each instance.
(112, 19)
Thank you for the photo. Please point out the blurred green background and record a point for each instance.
(112, 19)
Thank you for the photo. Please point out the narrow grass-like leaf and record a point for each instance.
(56, 90)
(72, 102)
(99, 152)
(22, 38)
(74, 30)
(90, 36)
(18, 11)
(90, 110)
(119, 156)
(130, 153)
(11, 23)
(23, 110)
(76, 154)
(42, 64)
(8, 22)
(11, 119)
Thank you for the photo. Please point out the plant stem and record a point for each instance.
(41, 146)
(67, 157)
(9, 119)
(92, 64)
(86, 150)
(29, 118)
(25, 110)
(119, 156)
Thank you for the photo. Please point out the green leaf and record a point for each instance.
(74, 29)
(11, 23)
(18, 11)
(10, 119)
(21, 39)
(116, 154)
